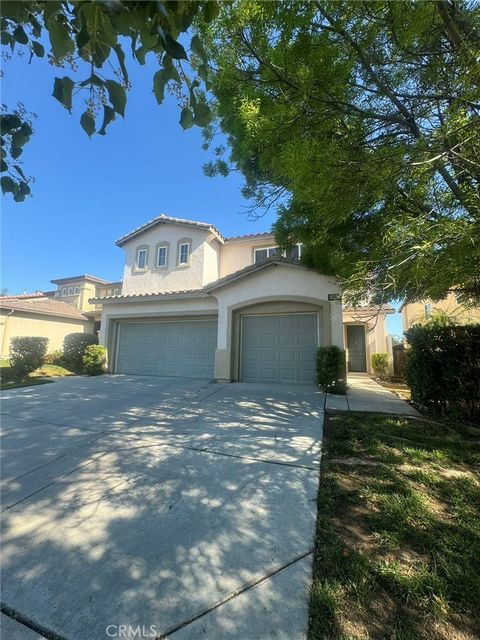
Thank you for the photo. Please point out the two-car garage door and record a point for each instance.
(167, 348)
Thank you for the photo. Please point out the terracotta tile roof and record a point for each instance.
(24, 296)
(85, 276)
(194, 293)
(252, 236)
(162, 219)
(42, 305)
(384, 308)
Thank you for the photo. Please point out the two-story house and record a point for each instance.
(419, 312)
(196, 304)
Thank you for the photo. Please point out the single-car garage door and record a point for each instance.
(279, 348)
(176, 348)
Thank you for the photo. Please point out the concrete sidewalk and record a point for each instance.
(364, 394)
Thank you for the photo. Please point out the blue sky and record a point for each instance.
(87, 193)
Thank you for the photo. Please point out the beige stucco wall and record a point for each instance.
(414, 312)
(236, 255)
(172, 278)
(31, 324)
(282, 284)
(80, 300)
(375, 332)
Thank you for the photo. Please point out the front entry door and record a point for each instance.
(356, 348)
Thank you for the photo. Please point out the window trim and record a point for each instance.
(161, 245)
(70, 291)
(64, 291)
(144, 248)
(180, 244)
(76, 291)
(264, 248)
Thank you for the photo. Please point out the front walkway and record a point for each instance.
(364, 394)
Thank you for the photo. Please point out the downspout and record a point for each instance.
(5, 330)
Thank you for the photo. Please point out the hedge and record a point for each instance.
(26, 355)
(443, 368)
(94, 360)
(332, 370)
(381, 365)
(74, 346)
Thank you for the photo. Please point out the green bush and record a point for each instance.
(94, 360)
(331, 370)
(443, 368)
(381, 365)
(26, 355)
(74, 346)
(54, 357)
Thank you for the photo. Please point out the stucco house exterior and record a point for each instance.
(39, 315)
(54, 314)
(418, 312)
(194, 303)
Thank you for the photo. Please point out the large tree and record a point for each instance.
(360, 122)
(93, 43)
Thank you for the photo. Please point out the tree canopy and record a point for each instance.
(88, 43)
(360, 122)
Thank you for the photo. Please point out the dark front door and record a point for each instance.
(356, 348)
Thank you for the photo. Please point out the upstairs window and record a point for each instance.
(76, 290)
(70, 291)
(141, 261)
(116, 292)
(264, 253)
(183, 253)
(296, 252)
(162, 256)
(64, 291)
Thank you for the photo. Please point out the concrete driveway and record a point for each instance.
(158, 506)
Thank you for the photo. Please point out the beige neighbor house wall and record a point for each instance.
(202, 267)
(54, 328)
(417, 312)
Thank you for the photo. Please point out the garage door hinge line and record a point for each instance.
(246, 587)
(30, 624)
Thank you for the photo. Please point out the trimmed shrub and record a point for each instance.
(26, 355)
(381, 365)
(443, 368)
(332, 370)
(94, 360)
(55, 357)
(74, 346)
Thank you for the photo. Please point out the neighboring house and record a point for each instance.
(54, 314)
(196, 304)
(418, 312)
(39, 315)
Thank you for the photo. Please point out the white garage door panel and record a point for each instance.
(167, 348)
(279, 348)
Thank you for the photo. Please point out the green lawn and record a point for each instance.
(40, 376)
(397, 551)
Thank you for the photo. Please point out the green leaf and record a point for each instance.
(22, 191)
(140, 55)
(117, 96)
(211, 11)
(93, 79)
(88, 123)
(19, 170)
(186, 118)
(203, 72)
(203, 114)
(4, 166)
(62, 91)
(121, 60)
(174, 48)
(159, 81)
(16, 152)
(20, 35)
(9, 122)
(38, 49)
(50, 9)
(8, 185)
(83, 37)
(108, 116)
(196, 46)
(60, 39)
